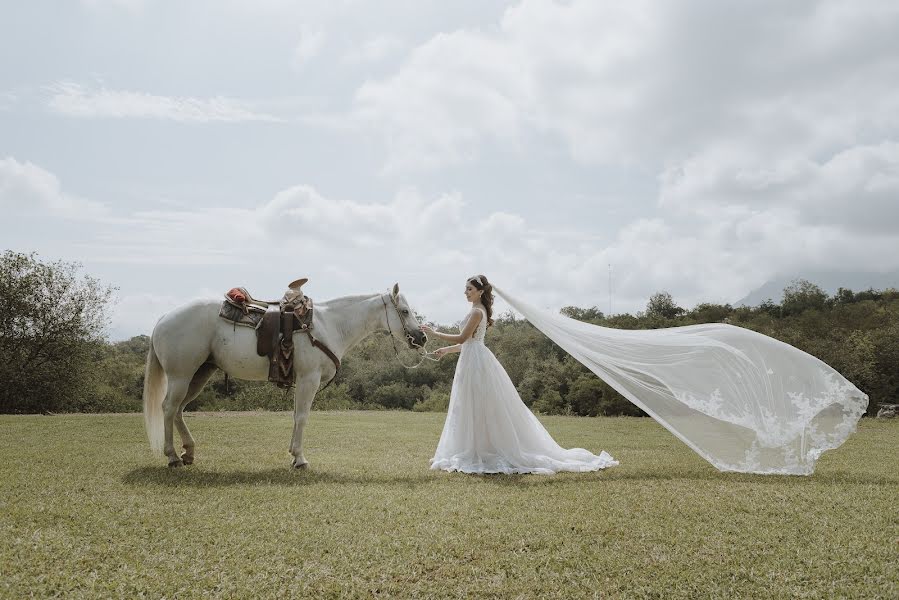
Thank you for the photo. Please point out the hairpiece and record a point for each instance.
(478, 279)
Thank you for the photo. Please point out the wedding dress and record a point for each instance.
(488, 429)
(742, 400)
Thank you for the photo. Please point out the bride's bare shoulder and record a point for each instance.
(475, 311)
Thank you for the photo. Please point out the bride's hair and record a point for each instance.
(481, 283)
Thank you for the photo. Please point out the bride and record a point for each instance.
(488, 428)
(743, 401)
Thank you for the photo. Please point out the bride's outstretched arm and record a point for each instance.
(448, 350)
(457, 338)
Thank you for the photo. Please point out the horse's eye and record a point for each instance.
(405, 312)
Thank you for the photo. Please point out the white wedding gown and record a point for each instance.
(488, 428)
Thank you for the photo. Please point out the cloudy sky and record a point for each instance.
(179, 148)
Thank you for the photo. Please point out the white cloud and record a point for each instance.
(704, 251)
(76, 100)
(301, 213)
(210, 236)
(452, 93)
(642, 82)
(133, 6)
(374, 50)
(7, 100)
(310, 45)
(27, 189)
(774, 129)
(721, 254)
(716, 253)
(857, 188)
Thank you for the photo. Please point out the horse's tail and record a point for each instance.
(155, 384)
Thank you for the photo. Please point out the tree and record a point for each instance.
(886, 351)
(770, 307)
(585, 395)
(52, 333)
(844, 296)
(396, 395)
(662, 305)
(707, 312)
(582, 314)
(802, 295)
(550, 403)
(613, 403)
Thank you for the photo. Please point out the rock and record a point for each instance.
(887, 411)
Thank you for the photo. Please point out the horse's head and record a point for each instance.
(401, 321)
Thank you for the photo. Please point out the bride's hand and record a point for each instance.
(426, 328)
(440, 352)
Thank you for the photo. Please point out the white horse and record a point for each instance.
(189, 343)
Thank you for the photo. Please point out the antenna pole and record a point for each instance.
(610, 289)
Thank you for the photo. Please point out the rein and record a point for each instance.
(408, 336)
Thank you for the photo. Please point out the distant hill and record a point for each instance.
(829, 281)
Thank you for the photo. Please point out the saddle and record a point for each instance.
(275, 323)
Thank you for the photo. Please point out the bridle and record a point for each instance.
(409, 336)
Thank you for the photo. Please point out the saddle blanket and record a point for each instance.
(241, 314)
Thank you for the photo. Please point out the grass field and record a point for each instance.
(86, 511)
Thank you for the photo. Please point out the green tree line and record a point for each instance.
(857, 333)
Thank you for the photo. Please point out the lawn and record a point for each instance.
(86, 511)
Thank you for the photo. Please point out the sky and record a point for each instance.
(177, 149)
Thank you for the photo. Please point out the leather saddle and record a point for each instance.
(274, 336)
(275, 323)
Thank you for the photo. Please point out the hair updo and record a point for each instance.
(480, 283)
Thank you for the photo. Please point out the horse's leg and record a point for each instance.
(177, 389)
(193, 390)
(307, 386)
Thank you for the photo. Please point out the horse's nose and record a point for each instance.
(424, 338)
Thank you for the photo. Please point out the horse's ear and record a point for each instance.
(396, 290)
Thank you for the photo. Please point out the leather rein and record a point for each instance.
(409, 336)
(321, 346)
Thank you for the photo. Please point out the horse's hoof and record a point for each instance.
(176, 463)
(187, 459)
(301, 466)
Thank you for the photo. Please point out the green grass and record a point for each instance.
(86, 511)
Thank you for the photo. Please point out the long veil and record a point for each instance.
(742, 400)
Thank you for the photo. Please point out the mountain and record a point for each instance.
(829, 281)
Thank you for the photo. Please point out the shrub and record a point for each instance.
(550, 403)
(436, 401)
(585, 396)
(395, 395)
(335, 397)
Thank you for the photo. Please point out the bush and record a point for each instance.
(336, 397)
(550, 403)
(258, 396)
(585, 396)
(613, 403)
(396, 395)
(436, 401)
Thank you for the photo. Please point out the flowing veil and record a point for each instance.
(742, 400)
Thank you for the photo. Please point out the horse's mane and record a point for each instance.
(345, 300)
